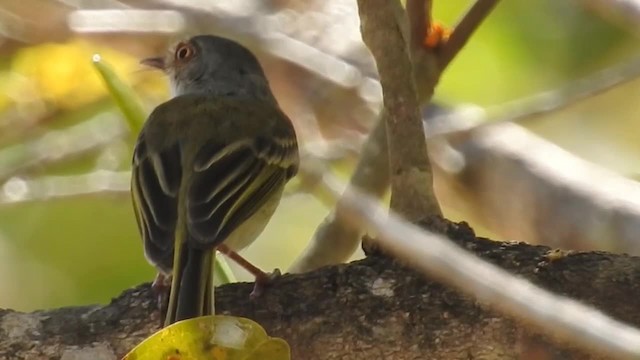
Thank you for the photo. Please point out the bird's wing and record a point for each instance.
(155, 183)
(231, 182)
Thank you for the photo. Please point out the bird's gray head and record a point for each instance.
(213, 65)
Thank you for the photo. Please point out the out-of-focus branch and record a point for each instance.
(520, 186)
(412, 193)
(335, 239)
(56, 146)
(97, 183)
(532, 107)
(624, 12)
(104, 182)
(482, 166)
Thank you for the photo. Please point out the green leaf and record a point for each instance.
(122, 94)
(223, 272)
(213, 337)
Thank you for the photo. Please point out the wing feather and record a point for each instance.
(155, 182)
(232, 183)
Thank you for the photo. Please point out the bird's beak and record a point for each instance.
(156, 62)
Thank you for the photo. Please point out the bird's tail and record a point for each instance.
(191, 287)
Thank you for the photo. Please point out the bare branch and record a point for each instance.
(61, 145)
(323, 248)
(623, 12)
(520, 186)
(411, 179)
(464, 30)
(97, 183)
(419, 15)
(335, 239)
(481, 200)
(532, 107)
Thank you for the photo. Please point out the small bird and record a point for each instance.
(209, 166)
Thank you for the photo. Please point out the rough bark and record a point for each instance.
(369, 309)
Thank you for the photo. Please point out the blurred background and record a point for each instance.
(67, 230)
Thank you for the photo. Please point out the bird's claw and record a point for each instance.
(263, 281)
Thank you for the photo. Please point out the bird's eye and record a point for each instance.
(184, 52)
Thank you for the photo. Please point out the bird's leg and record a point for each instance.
(263, 279)
(161, 286)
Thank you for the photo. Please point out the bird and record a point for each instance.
(209, 165)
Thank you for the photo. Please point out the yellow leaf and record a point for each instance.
(213, 337)
(273, 348)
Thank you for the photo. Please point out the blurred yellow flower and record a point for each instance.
(63, 74)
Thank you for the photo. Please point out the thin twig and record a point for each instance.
(467, 25)
(437, 256)
(522, 110)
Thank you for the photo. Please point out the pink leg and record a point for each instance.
(263, 279)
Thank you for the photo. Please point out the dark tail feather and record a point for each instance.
(208, 306)
(191, 284)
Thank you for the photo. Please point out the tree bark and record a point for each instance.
(374, 308)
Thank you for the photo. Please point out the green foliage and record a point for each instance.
(122, 94)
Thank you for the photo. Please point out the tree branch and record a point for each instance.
(61, 145)
(419, 15)
(464, 30)
(334, 241)
(533, 107)
(382, 24)
(373, 308)
(522, 187)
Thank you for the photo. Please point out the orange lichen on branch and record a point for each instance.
(436, 35)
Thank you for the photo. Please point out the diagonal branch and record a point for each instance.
(533, 107)
(335, 239)
(464, 30)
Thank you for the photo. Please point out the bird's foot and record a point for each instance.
(161, 286)
(263, 279)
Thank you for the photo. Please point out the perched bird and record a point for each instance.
(209, 166)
